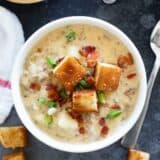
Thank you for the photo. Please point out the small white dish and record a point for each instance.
(23, 114)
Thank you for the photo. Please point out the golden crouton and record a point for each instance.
(107, 77)
(69, 72)
(15, 156)
(12, 137)
(84, 101)
(137, 155)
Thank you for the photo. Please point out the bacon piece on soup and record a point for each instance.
(130, 76)
(115, 106)
(82, 130)
(138, 155)
(104, 131)
(91, 54)
(77, 116)
(125, 60)
(107, 77)
(35, 86)
(102, 121)
(69, 72)
(84, 51)
(52, 92)
(92, 59)
(84, 101)
(90, 80)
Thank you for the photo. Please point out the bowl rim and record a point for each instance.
(24, 115)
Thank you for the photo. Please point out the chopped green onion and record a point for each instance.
(101, 97)
(52, 104)
(71, 36)
(63, 94)
(113, 114)
(42, 101)
(48, 119)
(84, 84)
(52, 63)
(78, 87)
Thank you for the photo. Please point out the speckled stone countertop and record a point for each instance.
(137, 19)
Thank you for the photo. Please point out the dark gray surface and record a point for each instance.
(136, 18)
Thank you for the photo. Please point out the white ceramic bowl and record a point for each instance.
(23, 114)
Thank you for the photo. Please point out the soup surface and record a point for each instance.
(79, 83)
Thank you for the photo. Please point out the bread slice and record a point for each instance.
(69, 72)
(13, 137)
(138, 155)
(14, 156)
(107, 77)
(84, 101)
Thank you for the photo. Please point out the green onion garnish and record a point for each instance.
(101, 97)
(84, 84)
(78, 87)
(70, 36)
(113, 114)
(49, 103)
(52, 104)
(48, 119)
(42, 101)
(51, 62)
(63, 94)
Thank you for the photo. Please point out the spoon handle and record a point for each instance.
(130, 139)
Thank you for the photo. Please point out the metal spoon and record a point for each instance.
(109, 1)
(129, 141)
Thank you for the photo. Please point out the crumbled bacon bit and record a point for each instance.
(91, 54)
(35, 86)
(52, 92)
(77, 116)
(60, 59)
(62, 101)
(82, 130)
(125, 60)
(102, 121)
(115, 106)
(39, 49)
(87, 50)
(130, 76)
(92, 59)
(104, 131)
(90, 80)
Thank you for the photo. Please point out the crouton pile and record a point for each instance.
(13, 137)
(69, 72)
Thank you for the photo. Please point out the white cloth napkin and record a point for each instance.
(11, 39)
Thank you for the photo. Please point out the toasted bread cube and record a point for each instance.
(138, 155)
(107, 77)
(13, 137)
(84, 101)
(15, 156)
(69, 72)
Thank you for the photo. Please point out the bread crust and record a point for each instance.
(138, 155)
(14, 156)
(84, 101)
(69, 72)
(13, 137)
(107, 77)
